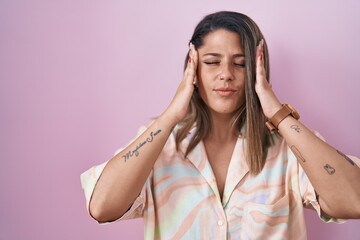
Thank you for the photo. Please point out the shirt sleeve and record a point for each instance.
(90, 178)
(309, 195)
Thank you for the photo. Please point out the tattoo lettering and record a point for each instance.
(136, 152)
(330, 170)
(346, 157)
(296, 128)
(297, 153)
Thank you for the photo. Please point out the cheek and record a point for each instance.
(204, 82)
(201, 74)
(208, 74)
(203, 92)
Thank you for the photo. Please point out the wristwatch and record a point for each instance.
(286, 110)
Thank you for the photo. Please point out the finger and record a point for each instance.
(260, 66)
(261, 53)
(190, 70)
(259, 48)
(195, 63)
(189, 61)
(257, 51)
(260, 69)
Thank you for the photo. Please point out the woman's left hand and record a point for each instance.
(269, 102)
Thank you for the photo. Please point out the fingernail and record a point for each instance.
(261, 56)
(189, 60)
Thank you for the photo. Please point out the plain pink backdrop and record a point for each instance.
(77, 79)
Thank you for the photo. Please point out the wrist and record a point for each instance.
(168, 120)
(285, 111)
(274, 110)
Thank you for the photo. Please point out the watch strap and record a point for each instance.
(286, 110)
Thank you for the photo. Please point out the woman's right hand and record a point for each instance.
(178, 107)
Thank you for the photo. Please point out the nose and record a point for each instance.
(226, 72)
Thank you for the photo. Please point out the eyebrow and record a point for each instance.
(219, 55)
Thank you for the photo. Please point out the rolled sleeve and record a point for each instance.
(88, 183)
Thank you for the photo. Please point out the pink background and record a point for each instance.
(77, 79)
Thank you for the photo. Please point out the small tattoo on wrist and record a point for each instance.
(330, 170)
(296, 128)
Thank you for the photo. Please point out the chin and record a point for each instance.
(223, 110)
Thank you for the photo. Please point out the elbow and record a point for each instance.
(357, 212)
(354, 208)
(349, 214)
(349, 211)
(97, 212)
(102, 213)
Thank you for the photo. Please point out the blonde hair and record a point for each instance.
(250, 114)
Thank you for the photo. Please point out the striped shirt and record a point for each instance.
(180, 199)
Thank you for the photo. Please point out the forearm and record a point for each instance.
(335, 177)
(125, 174)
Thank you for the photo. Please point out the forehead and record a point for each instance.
(222, 40)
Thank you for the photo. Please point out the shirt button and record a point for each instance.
(220, 222)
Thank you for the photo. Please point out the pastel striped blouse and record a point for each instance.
(180, 199)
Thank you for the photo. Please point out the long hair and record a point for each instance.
(250, 114)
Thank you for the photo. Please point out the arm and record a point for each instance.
(128, 170)
(335, 176)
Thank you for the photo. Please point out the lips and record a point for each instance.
(225, 92)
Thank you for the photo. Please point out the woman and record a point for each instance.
(209, 168)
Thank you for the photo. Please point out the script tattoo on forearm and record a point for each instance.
(297, 153)
(330, 170)
(346, 157)
(296, 128)
(136, 152)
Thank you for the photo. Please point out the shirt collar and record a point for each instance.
(237, 170)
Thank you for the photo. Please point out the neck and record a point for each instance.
(222, 128)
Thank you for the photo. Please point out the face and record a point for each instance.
(221, 72)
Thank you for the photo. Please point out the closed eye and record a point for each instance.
(211, 63)
(216, 63)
